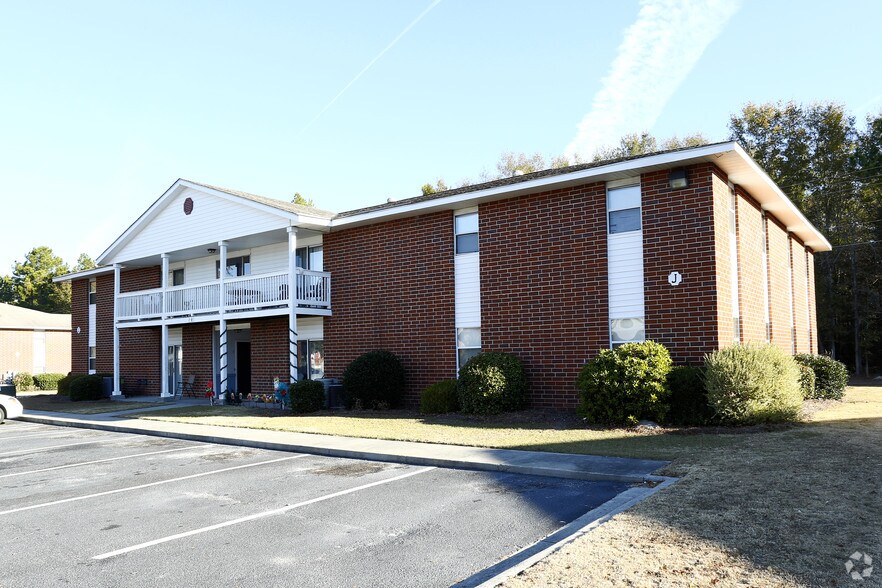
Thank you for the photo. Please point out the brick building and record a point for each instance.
(694, 248)
(33, 341)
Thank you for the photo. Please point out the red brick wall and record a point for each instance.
(813, 313)
(140, 358)
(269, 352)
(196, 341)
(544, 293)
(104, 324)
(779, 284)
(800, 288)
(678, 235)
(79, 310)
(392, 288)
(724, 277)
(752, 276)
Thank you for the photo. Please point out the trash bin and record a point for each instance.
(333, 393)
(8, 389)
(107, 386)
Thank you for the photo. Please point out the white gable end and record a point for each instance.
(212, 218)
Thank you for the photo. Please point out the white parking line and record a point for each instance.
(41, 435)
(141, 486)
(20, 427)
(39, 449)
(255, 516)
(73, 465)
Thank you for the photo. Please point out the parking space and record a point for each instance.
(104, 509)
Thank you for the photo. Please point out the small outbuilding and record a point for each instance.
(33, 341)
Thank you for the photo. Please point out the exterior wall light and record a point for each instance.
(677, 179)
(212, 250)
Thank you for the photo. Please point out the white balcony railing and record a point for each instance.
(240, 294)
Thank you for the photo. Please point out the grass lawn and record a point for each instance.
(59, 403)
(767, 506)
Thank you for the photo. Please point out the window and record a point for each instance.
(466, 230)
(312, 256)
(236, 266)
(624, 209)
(311, 360)
(178, 277)
(468, 344)
(92, 360)
(626, 330)
(93, 291)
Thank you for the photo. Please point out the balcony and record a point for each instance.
(263, 294)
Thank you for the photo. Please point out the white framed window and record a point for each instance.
(236, 266)
(311, 359)
(468, 345)
(178, 277)
(93, 291)
(310, 258)
(92, 359)
(626, 330)
(466, 231)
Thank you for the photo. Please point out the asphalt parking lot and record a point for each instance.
(92, 508)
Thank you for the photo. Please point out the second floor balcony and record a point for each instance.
(264, 293)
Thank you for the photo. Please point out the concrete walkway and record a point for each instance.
(561, 465)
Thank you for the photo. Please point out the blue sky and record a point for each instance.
(104, 104)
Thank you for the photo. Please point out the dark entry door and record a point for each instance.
(243, 367)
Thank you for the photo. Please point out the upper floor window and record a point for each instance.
(623, 205)
(466, 230)
(93, 291)
(178, 277)
(310, 258)
(236, 266)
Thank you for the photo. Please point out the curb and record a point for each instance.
(533, 554)
(353, 454)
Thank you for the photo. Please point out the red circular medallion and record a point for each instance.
(188, 206)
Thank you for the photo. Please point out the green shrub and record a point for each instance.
(831, 376)
(688, 400)
(753, 384)
(439, 398)
(625, 384)
(492, 382)
(86, 388)
(47, 381)
(374, 380)
(64, 383)
(306, 396)
(806, 381)
(23, 381)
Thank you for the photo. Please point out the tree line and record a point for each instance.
(30, 285)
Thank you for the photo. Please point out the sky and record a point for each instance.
(103, 105)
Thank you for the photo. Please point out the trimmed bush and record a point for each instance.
(831, 376)
(492, 382)
(753, 384)
(439, 398)
(688, 400)
(806, 381)
(47, 381)
(86, 388)
(23, 381)
(374, 380)
(64, 383)
(626, 384)
(306, 396)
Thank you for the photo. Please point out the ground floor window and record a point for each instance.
(92, 356)
(626, 330)
(468, 345)
(311, 359)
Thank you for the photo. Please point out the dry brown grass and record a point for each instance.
(60, 403)
(783, 508)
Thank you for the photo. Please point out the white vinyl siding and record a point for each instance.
(467, 290)
(309, 328)
(625, 262)
(467, 285)
(173, 230)
(175, 337)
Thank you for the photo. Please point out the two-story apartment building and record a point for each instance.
(694, 248)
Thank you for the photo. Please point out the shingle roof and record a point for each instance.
(279, 204)
(16, 316)
(508, 181)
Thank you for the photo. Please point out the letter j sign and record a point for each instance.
(674, 278)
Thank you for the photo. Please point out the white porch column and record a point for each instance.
(292, 303)
(116, 280)
(163, 351)
(222, 351)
